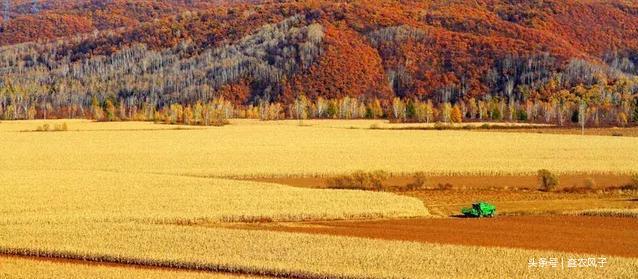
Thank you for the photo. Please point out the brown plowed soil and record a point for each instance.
(611, 236)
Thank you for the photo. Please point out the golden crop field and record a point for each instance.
(285, 254)
(252, 148)
(152, 195)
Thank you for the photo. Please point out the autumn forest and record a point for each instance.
(199, 62)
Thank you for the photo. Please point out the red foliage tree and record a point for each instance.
(348, 67)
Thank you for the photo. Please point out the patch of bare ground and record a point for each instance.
(611, 236)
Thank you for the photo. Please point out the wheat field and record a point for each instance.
(252, 148)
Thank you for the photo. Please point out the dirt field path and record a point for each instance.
(580, 234)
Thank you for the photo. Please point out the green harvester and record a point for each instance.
(479, 209)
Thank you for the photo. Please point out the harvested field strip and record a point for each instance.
(575, 234)
(35, 267)
(286, 254)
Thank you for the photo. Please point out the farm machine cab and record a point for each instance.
(479, 209)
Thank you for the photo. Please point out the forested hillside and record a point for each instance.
(181, 60)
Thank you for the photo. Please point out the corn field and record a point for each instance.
(283, 254)
(96, 196)
(155, 195)
(267, 149)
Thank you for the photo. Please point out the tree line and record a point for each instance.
(584, 106)
(248, 78)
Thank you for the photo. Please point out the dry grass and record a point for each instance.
(632, 213)
(258, 149)
(73, 196)
(13, 267)
(284, 254)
